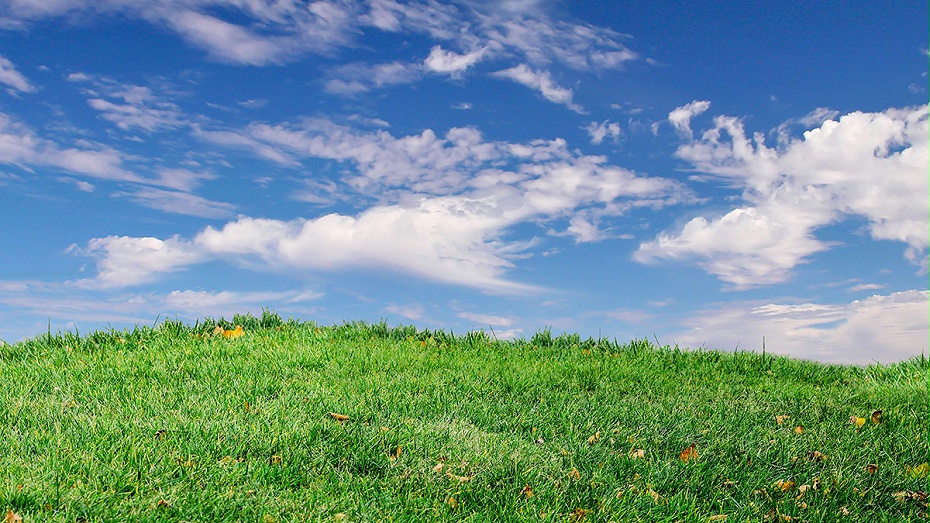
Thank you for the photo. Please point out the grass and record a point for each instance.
(181, 423)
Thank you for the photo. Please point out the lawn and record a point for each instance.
(283, 421)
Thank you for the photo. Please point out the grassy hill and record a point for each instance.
(287, 421)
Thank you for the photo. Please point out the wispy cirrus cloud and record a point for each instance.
(353, 79)
(540, 81)
(13, 79)
(129, 106)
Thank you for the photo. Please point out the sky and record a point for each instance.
(712, 175)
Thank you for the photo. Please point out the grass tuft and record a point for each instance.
(292, 421)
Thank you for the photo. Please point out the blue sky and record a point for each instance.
(704, 175)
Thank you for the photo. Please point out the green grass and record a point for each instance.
(174, 423)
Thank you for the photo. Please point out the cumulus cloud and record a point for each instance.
(883, 328)
(605, 129)
(680, 117)
(12, 78)
(870, 165)
(124, 261)
(444, 209)
(540, 81)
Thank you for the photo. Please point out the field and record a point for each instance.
(283, 421)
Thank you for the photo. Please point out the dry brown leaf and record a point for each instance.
(217, 330)
(452, 502)
(164, 503)
(527, 491)
(781, 419)
(341, 418)
(799, 429)
(578, 515)
(12, 517)
(574, 474)
(438, 467)
(396, 453)
(784, 486)
(876, 416)
(871, 468)
(689, 453)
(816, 456)
(275, 460)
(460, 479)
(637, 454)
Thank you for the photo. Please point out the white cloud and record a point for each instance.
(865, 287)
(352, 79)
(228, 303)
(680, 117)
(179, 202)
(542, 82)
(129, 106)
(441, 61)
(880, 328)
(444, 206)
(486, 319)
(20, 146)
(411, 312)
(123, 261)
(605, 129)
(13, 78)
(872, 165)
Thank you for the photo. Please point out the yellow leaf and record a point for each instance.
(920, 471)
(396, 454)
(785, 486)
(595, 438)
(235, 333)
(781, 419)
(578, 515)
(217, 330)
(276, 460)
(452, 502)
(876, 416)
(527, 491)
(858, 422)
(718, 517)
(689, 453)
